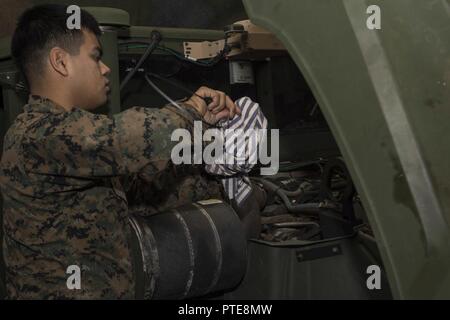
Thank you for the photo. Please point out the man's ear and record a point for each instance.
(58, 60)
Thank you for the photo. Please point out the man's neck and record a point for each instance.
(53, 95)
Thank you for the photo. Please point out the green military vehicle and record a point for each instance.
(359, 90)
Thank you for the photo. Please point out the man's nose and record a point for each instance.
(105, 69)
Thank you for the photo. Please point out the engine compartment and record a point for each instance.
(311, 216)
(315, 241)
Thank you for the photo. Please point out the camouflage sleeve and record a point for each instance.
(82, 144)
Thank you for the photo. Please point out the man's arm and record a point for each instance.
(82, 144)
(89, 146)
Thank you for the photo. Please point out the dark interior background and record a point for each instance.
(203, 14)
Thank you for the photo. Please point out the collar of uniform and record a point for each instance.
(41, 104)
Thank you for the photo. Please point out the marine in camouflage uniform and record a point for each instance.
(64, 176)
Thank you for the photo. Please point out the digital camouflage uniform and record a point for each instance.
(62, 177)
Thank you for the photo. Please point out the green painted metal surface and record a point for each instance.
(172, 38)
(176, 33)
(385, 94)
(109, 16)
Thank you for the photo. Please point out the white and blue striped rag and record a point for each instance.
(240, 153)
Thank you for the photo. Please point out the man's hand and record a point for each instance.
(221, 107)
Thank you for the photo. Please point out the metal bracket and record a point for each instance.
(318, 253)
(202, 50)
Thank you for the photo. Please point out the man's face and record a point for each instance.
(88, 74)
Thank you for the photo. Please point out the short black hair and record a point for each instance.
(43, 27)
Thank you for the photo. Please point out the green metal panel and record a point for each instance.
(176, 33)
(333, 269)
(172, 38)
(385, 94)
(109, 16)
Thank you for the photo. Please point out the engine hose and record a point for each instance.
(283, 194)
(273, 187)
(188, 252)
(156, 39)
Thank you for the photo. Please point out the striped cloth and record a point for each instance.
(242, 135)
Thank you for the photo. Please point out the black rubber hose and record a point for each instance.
(273, 187)
(283, 194)
(156, 39)
(188, 252)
